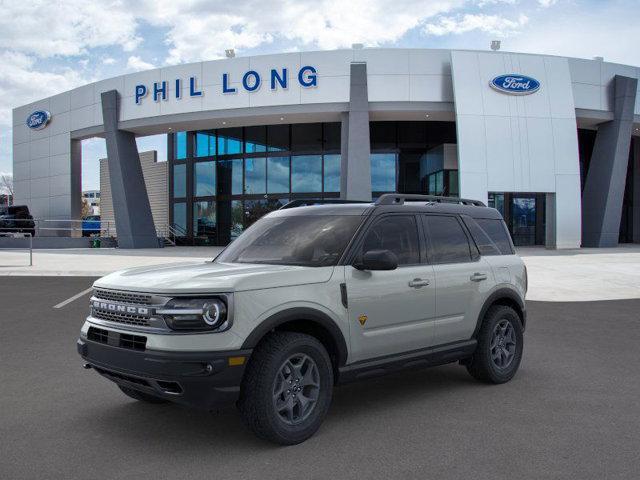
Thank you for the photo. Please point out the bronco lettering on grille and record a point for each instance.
(117, 308)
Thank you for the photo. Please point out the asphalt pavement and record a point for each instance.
(572, 411)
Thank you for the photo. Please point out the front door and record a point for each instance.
(391, 311)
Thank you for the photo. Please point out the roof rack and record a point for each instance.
(304, 202)
(400, 198)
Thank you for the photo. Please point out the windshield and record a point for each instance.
(311, 241)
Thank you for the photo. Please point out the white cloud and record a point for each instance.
(135, 63)
(108, 61)
(547, 3)
(491, 24)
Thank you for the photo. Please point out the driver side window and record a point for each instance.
(396, 233)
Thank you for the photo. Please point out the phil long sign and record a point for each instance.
(515, 84)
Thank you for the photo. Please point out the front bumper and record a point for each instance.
(197, 379)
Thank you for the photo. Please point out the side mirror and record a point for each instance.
(377, 260)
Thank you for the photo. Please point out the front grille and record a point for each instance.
(126, 318)
(98, 335)
(123, 297)
(133, 342)
(122, 340)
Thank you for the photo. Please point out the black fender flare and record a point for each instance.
(495, 297)
(300, 314)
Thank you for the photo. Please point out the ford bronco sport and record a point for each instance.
(311, 296)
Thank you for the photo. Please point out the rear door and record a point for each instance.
(462, 277)
(391, 311)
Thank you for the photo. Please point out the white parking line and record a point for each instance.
(75, 297)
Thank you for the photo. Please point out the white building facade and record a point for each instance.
(550, 141)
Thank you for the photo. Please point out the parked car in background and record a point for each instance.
(91, 225)
(17, 219)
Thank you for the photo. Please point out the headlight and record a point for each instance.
(196, 314)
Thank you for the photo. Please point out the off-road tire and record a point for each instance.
(482, 366)
(141, 396)
(257, 402)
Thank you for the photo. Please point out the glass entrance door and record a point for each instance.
(523, 219)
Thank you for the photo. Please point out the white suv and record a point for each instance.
(311, 296)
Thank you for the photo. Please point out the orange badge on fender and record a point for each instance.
(362, 319)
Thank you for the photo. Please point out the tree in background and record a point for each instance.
(6, 188)
(86, 208)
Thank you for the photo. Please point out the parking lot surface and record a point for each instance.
(571, 412)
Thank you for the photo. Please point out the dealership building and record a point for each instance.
(552, 142)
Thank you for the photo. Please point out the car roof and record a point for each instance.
(474, 210)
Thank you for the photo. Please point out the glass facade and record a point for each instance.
(224, 180)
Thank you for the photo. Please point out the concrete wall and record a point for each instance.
(156, 175)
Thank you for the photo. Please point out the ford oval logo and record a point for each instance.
(515, 84)
(38, 119)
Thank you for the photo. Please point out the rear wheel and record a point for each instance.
(500, 345)
(141, 396)
(287, 388)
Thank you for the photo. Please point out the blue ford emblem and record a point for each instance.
(38, 119)
(515, 84)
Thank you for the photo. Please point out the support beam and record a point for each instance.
(604, 187)
(636, 190)
(131, 208)
(355, 177)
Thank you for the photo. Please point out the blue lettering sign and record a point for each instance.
(192, 88)
(141, 92)
(251, 86)
(225, 84)
(157, 90)
(515, 84)
(310, 80)
(275, 77)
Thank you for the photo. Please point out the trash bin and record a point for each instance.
(95, 243)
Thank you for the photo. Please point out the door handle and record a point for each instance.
(418, 283)
(478, 277)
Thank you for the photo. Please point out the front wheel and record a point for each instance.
(500, 345)
(287, 388)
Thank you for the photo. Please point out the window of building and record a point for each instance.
(332, 173)
(180, 146)
(448, 243)
(204, 219)
(278, 175)
(204, 179)
(306, 137)
(255, 175)
(230, 177)
(229, 141)
(180, 217)
(306, 173)
(255, 139)
(331, 134)
(278, 138)
(398, 234)
(383, 172)
(205, 144)
(180, 180)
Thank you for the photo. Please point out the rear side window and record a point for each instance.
(496, 230)
(396, 233)
(485, 244)
(448, 242)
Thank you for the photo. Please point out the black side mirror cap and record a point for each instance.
(377, 260)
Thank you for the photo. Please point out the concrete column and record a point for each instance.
(355, 177)
(550, 229)
(131, 208)
(604, 187)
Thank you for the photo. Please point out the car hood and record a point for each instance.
(211, 277)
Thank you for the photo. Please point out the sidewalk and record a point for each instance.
(586, 274)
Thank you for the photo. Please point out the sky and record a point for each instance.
(47, 47)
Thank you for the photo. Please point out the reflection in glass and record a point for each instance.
(306, 173)
(180, 180)
(383, 172)
(180, 146)
(180, 218)
(204, 179)
(332, 173)
(230, 177)
(278, 175)
(306, 137)
(255, 139)
(237, 219)
(229, 141)
(204, 219)
(255, 175)
(205, 144)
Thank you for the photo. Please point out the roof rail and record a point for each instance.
(304, 202)
(400, 198)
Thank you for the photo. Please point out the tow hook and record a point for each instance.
(86, 366)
